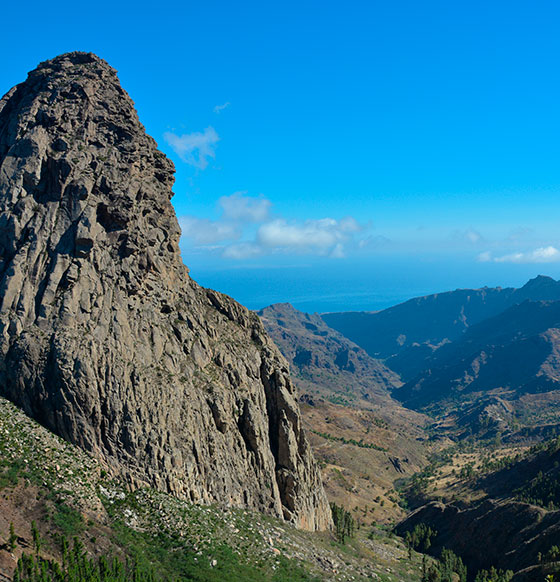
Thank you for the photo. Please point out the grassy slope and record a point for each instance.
(65, 491)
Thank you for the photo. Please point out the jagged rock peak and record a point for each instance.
(104, 338)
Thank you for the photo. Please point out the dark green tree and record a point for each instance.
(343, 523)
(12, 539)
(37, 542)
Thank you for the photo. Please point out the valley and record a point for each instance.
(155, 430)
(481, 405)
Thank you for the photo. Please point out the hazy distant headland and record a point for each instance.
(347, 285)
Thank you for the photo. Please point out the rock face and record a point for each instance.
(104, 338)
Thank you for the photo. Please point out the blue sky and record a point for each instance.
(337, 155)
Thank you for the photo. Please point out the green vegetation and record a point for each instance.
(176, 560)
(67, 519)
(493, 575)
(12, 538)
(340, 399)
(343, 523)
(553, 555)
(37, 541)
(77, 567)
(544, 488)
(9, 473)
(445, 568)
(420, 538)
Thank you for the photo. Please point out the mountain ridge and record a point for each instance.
(433, 319)
(517, 350)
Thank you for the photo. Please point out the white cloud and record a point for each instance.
(484, 257)
(243, 250)
(204, 231)
(194, 148)
(246, 229)
(548, 254)
(470, 235)
(321, 235)
(349, 224)
(220, 108)
(337, 252)
(245, 208)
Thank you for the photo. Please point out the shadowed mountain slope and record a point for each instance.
(513, 521)
(432, 319)
(322, 357)
(515, 353)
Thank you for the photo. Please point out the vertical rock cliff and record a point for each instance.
(104, 338)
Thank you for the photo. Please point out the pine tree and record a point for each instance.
(36, 537)
(12, 540)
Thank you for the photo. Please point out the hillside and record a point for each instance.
(501, 511)
(363, 439)
(67, 493)
(511, 355)
(323, 361)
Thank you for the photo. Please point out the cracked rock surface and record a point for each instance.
(104, 337)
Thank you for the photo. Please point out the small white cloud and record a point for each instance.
(243, 250)
(194, 148)
(220, 108)
(470, 235)
(245, 208)
(205, 231)
(473, 236)
(484, 257)
(321, 234)
(548, 254)
(338, 252)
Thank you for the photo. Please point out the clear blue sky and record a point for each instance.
(337, 154)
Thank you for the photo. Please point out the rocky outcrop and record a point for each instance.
(104, 338)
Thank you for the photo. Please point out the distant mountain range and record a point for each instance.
(434, 319)
(455, 347)
(515, 352)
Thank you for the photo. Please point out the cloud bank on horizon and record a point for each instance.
(549, 254)
(246, 228)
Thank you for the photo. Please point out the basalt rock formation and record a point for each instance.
(104, 337)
